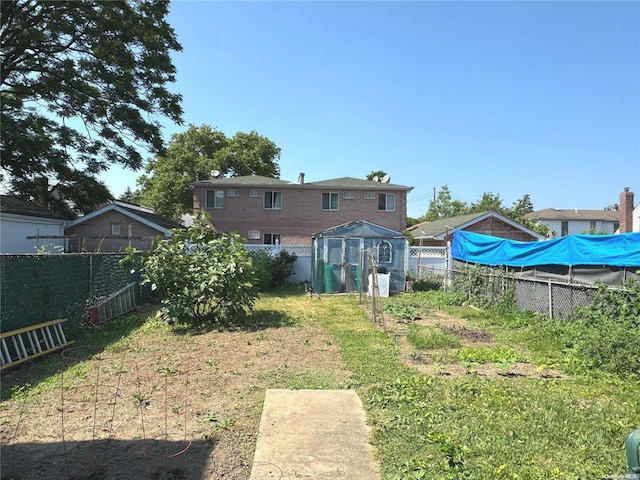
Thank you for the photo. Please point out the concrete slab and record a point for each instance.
(313, 434)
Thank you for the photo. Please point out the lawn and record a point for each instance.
(449, 392)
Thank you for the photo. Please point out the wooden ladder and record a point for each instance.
(20, 345)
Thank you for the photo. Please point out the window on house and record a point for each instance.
(348, 195)
(387, 202)
(330, 201)
(215, 198)
(271, 238)
(384, 252)
(273, 200)
(369, 196)
(254, 192)
(616, 226)
(592, 226)
(232, 192)
(564, 228)
(115, 229)
(254, 235)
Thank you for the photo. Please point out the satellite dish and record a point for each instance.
(386, 179)
(215, 173)
(376, 179)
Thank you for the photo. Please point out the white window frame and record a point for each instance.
(254, 192)
(331, 196)
(348, 195)
(274, 239)
(275, 200)
(253, 235)
(232, 192)
(383, 250)
(386, 197)
(115, 228)
(369, 195)
(217, 197)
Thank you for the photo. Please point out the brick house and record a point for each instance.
(266, 210)
(116, 226)
(439, 232)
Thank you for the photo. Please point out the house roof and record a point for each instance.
(260, 181)
(574, 214)
(135, 212)
(438, 229)
(17, 206)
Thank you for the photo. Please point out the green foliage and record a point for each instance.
(424, 338)
(272, 271)
(490, 355)
(192, 155)
(206, 279)
(82, 87)
(607, 333)
(427, 284)
(485, 287)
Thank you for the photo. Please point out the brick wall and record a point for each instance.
(94, 235)
(626, 211)
(301, 215)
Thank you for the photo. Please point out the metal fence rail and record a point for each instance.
(553, 298)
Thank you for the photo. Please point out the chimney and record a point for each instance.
(301, 178)
(41, 192)
(626, 211)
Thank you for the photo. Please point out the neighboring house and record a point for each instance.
(570, 222)
(439, 232)
(28, 228)
(266, 210)
(116, 226)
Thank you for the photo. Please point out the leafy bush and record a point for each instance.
(261, 262)
(427, 284)
(205, 278)
(282, 268)
(272, 272)
(607, 333)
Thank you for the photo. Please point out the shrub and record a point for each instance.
(206, 279)
(261, 262)
(607, 333)
(272, 272)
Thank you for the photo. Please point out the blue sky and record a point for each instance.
(513, 98)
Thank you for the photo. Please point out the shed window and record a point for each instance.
(384, 252)
(115, 229)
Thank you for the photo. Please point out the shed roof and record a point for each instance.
(359, 228)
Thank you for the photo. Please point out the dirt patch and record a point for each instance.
(443, 362)
(160, 405)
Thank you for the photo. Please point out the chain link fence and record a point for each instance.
(553, 298)
(38, 288)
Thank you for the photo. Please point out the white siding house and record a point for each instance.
(20, 219)
(571, 222)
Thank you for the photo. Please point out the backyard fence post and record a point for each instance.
(550, 300)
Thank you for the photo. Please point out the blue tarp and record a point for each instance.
(607, 250)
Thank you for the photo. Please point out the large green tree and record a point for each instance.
(82, 87)
(192, 155)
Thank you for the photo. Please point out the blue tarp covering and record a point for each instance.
(611, 250)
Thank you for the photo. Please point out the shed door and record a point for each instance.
(343, 256)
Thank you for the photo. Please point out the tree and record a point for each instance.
(379, 174)
(192, 155)
(82, 85)
(444, 207)
(486, 203)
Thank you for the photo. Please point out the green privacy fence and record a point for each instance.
(38, 288)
